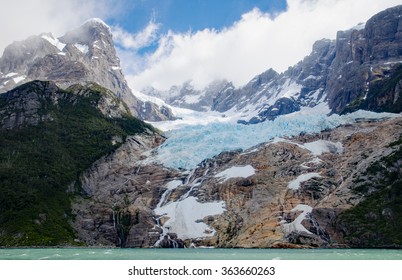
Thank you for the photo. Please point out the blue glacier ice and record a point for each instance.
(188, 146)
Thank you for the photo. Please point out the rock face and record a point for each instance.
(86, 54)
(120, 193)
(307, 191)
(49, 136)
(364, 56)
(31, 103)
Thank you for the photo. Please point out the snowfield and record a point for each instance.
(185, 215)
(236, 172)
(186, 147)
(296, 225)
(295, 184)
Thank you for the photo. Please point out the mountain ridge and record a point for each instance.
(85, 54)
(337, 73)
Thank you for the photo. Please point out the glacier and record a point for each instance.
(188, 146)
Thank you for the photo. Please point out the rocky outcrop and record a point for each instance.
(34, 102)
(119, 195)
(364, 56)
(83, 55)
(24, 105)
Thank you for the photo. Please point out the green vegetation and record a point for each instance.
(354, 105)
(377, 221)
(40, 165)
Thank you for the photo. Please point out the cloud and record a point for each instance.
(23, 18)
(255, 43)
(129, 46)
(142, 39)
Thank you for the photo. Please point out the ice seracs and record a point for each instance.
(186, 147)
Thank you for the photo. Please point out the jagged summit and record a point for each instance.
(91, 31)
(96, 22)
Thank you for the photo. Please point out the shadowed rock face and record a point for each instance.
(33, 102)
(363, 57)
(86, 54)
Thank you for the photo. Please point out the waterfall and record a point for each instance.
(116, 222)
(318, 231)
(114, 215)
(164, 200)
(189, 177)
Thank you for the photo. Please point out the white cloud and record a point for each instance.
(129, 44)
(23, 18)
(250, 46)
(136, 41)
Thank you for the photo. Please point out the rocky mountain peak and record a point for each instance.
(85, 54)
(93, 37)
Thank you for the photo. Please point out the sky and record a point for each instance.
(167, 42)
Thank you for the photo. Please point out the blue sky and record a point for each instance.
(184, 15)
(181, 16)
(167, 42)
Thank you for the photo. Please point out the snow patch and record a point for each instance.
(296, 225)
(19, 79)
(314, 161)
(53, 41)
(82, 48)
(322, 146)
(295, 184)
(292, 89)
(97, 21)
(12, 74)
(184, 216)
(236, 172)
(192, 99)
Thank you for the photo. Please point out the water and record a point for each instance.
(199, 254)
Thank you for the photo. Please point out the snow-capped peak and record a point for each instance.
(97, 22)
